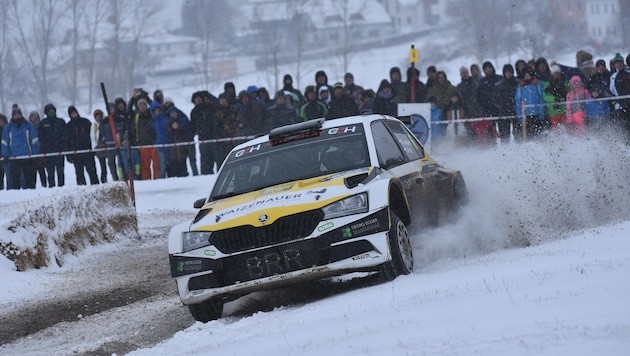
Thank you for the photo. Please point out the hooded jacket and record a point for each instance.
(19, 138)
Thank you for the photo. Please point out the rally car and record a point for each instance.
(309, 201)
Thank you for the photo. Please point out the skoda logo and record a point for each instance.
(263, 218)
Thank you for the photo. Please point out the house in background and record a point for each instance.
(415, 13)
(603, 22)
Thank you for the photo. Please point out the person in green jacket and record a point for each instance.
(554, 92)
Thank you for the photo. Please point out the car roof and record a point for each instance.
(297, 128)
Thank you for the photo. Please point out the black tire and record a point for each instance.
(204, 312)
(402, 253)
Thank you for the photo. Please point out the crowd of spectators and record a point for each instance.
(148, 137)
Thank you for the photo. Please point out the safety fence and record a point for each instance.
(239, 139)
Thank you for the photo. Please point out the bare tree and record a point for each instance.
(211, 23)
(93, 16)
(38, 44)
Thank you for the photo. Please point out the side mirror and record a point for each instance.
(199, 203)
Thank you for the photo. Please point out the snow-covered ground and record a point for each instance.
(475, 288)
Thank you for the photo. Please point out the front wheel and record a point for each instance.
(204, 312)
(402, 254)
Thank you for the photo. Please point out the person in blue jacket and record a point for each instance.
(530, 104)
(19, 139)
(160, 125)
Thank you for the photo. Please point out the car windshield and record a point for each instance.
(292, 158)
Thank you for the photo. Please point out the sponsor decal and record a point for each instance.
(343, 174)
(361, 257)
(363, 226)
(277, 189)
(259, 203)
(326, 226)
(263, 218)
(342, 130)
(347, 233)
(296, 137)
(316, 191)
(247, 150)
(209, 252)
(189, 265)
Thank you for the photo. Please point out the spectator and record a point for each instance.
(415, 89)
(78, 139)
(145, 138)
(438, 130)
(341, 105)
(442, 90)
(104, 138)
(520, 67)
(600, 81)
(487, 98)
(530, 107)
(506, 90)
(323, 95)
(321, 80)
(137, 94)
(280, 113)
(176, 155)
(4, 163)
(19, 139)
(575, 102)
(351, 89)
(52, 135)
(252, 116)
(126, 132)
(543, 72)
(184, 124)
(287, 82)
(366, 103)
(620, 86)
(383, 103)
(455, 112)
(160, 126)
(398, 86)
(263, 95)
(158, 96)
(596, 112)
(203, 122)
(39, 162)
(227, 125)
(468, 92)
(475, 73)
(313, 108)
(431, 77)
(555, 93)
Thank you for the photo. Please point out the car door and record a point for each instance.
(399, 161)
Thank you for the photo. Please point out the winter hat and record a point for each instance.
(287, 77)
(411, 71)
(196, 95)
(252, 89)
(555, 68)
(16, 111)
(463, 69)
(49, 107)
(337, 85)
(582, 58)
(600, 62)
(3, 118)
(98, 112)
(309, 89)
(321, 73)
(142, 100)
(576, 80)
(120, 101)
(617, 58)
(158, 95)
(486, 64)
(394, 70)
(72, 109)
(348, 75)
(154, 105)
(168, 99)
(323, 88)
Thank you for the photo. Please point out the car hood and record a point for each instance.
(264, 206)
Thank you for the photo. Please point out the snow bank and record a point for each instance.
(42, 229)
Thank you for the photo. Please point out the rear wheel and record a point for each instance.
(402, 254)
(204, 312)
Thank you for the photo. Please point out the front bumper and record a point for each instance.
(359, 245)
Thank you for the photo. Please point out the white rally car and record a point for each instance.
(308, 201)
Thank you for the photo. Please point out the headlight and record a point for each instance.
(355, 204)
(195, 239)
